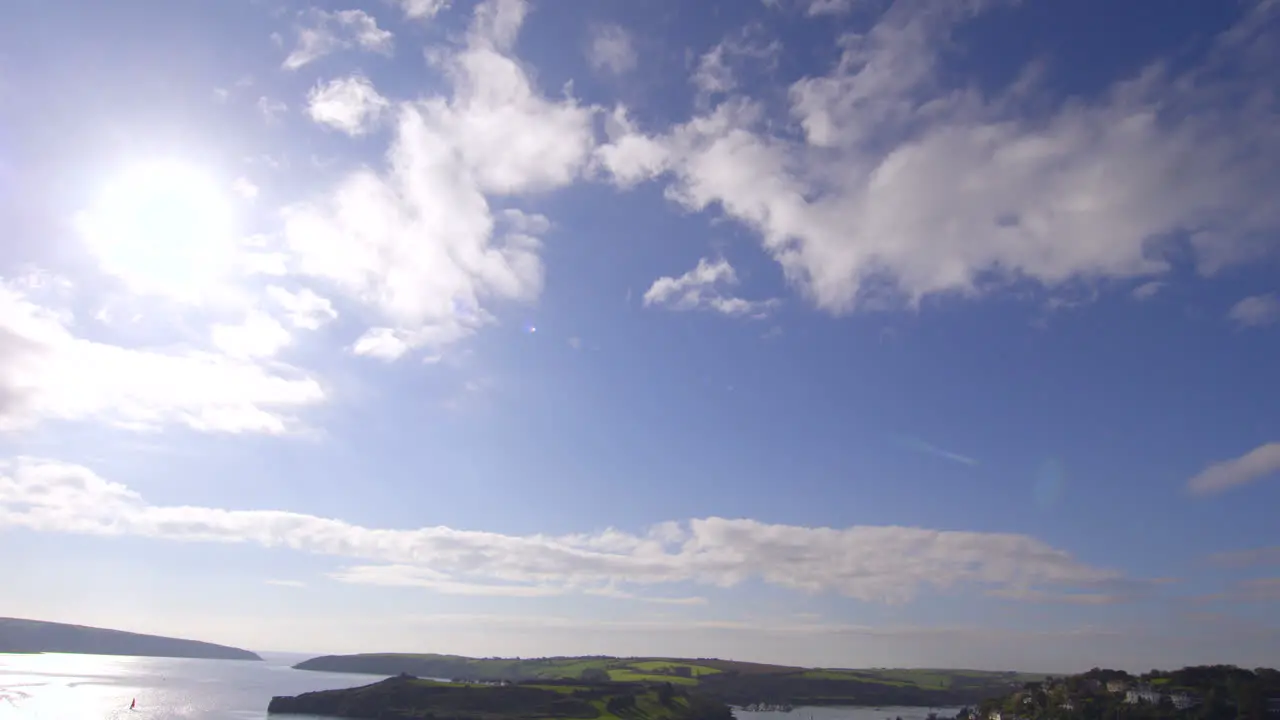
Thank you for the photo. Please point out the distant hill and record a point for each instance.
(736, 683)
(32, 636)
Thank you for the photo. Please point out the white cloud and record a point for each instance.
(350, 104)
(420, 243)
(328, 32)
(306, 309)
(1148, 290)
(717, 68)
(1254, 465)
(258, 336)
(1256, 311)
(245, 188)
(629, 157)
(1248, 558)
(901, 187)
(887, 564)
(704, 288)
(48, 373)
(287, 583)
(271, 109)
(610, 49)
(422, 9)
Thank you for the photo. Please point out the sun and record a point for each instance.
(164, 228)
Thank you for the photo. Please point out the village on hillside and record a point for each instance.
(1216, 692)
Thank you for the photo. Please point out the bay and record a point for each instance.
(56, 686)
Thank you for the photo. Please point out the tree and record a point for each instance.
(666, 693)
(594, 675)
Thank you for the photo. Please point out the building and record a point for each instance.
(993, 715)
(1143, 694)
(1182, 700)
(1117, 686)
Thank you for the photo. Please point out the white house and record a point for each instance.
(1143, 694)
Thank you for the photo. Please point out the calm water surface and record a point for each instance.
(100, 687)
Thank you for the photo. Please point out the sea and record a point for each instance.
(56, 686)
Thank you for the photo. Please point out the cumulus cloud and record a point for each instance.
(325, 32)
(705, 288)
(419, 242)
(349, 104)
(610, 49)
(1256, 311)
(422, 9)
(48, 373)
(1257, 464)
(886, 564)
(900, 186)
(258, 336)
(630, 156)
(306, 310)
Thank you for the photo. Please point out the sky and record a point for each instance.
(853, 333)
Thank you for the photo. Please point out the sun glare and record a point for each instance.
(164, 228)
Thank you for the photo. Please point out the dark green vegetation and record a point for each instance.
(33, 636)
(1211, 692)
(735, 683)
(404, 697)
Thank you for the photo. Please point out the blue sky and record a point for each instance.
(839, 332)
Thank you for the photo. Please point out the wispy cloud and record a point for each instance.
(287, 583)
(1257, 464)
(323, 32)
(885, 564)
(610, 49)
(1257, 590)
(1252, 557)
(919, 445)
(1256, 311)
(706, 287)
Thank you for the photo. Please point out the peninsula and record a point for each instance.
(405, 697)
(35, 636)
(742, 684)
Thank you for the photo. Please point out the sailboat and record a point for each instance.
(134, 705)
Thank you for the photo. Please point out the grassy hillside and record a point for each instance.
(738, 683)
(404, 697)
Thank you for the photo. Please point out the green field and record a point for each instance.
(730, 681)
(404, 696)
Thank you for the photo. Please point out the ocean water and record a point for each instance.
(99, 687)
(58, 686)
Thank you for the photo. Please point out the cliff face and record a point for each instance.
(37, 636)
